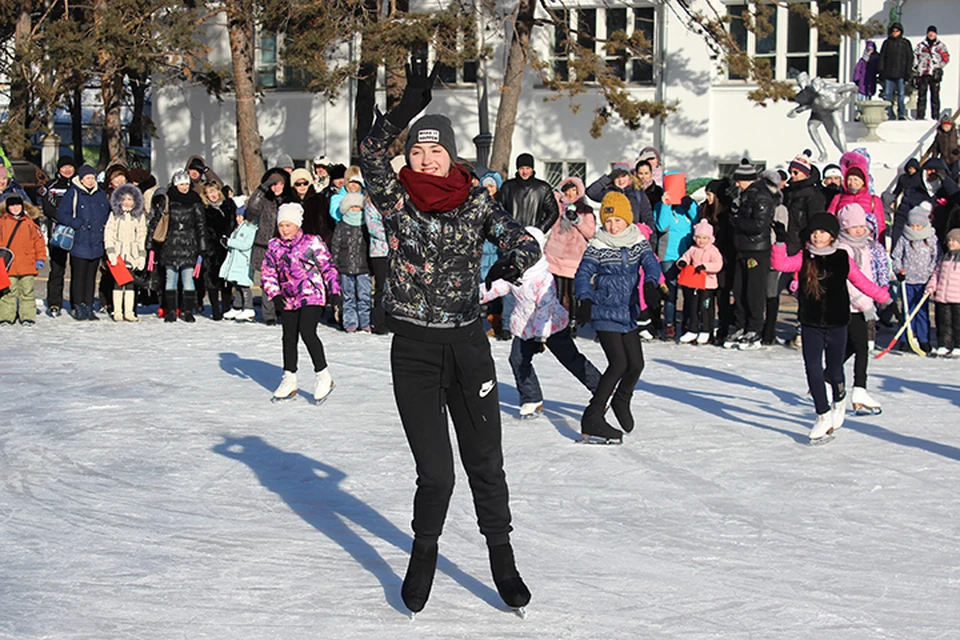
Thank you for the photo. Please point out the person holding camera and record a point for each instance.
(568, 240)
(931, 56)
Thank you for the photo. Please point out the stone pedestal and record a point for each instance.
(872, 113)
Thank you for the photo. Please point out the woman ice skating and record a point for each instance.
(298, 276)
(607, 291)
(539, 321)
(824, 312)
(440, 358)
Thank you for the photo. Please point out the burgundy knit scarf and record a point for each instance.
(436, 194)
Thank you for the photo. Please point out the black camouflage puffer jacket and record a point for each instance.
(433, 273)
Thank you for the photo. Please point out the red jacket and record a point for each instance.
(27, 246)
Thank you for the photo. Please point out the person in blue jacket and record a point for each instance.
(675, 228)
(84, 208)
(608, 290)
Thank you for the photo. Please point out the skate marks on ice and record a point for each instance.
(311, 489)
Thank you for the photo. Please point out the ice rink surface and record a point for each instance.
(151, 490)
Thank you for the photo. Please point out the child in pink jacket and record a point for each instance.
(568, 240)
(944, 286)
(704, 256)
(539, 320)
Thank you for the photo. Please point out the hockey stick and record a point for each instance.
(906, 325)
(911, 338)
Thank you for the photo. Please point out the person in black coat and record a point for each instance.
(716, 210)
(896, 64)
(932, 184)
(751, 238)
(619, 179)
(802, 198)
(220, 219)
(527, 198)
(185, 242)
(52, 193)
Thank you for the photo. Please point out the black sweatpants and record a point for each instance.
(379, 266)
(948, 324)
(302, 324)
(750, 289)
(83, 280)
(818, 344)
(624, 353)
(858, 335)
(562, 346)
(429, 380)
(107, 284)
(58, 269)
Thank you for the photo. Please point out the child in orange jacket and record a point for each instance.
(704, 256)
(25, 255)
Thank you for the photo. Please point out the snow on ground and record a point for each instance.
(150, 490)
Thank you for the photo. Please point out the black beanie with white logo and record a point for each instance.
(433, 128)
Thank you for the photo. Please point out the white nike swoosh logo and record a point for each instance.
(487, 387)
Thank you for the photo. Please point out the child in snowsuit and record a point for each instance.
(824, 312)
(857, 238)
(238, 269)
(568, 240)
(350, 250)
(704, 256)
(20, 236)
(944, 285)
(606, 285)
(913, 260)
(539, 320)
(298, 274)
(946, 144)
(125, 238)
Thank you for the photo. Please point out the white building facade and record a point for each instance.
(714, 126)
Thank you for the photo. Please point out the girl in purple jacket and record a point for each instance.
(299, 276)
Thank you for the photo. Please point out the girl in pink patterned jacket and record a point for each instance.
(298, 273)
(538, 319)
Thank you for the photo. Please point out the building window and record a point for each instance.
(590, 24)
(557, 170)
(447, 75)
(790, 45)
(271, 73)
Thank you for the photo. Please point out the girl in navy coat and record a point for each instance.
(607, 290)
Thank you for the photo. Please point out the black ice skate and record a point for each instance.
(510, 585)
(419, 579)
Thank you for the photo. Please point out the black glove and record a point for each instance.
(277, 302)
(700, 268)
(780, 231)
(901, 276)
(415, 97)
(651, 295)
(571, 213)
(584, 311)
(885, 313)
(681, 264)
(503, 269)
(334, 300)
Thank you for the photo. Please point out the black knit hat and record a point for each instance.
(65, 161)
(525, 160)
(933, 28)
(197, 165)
(745, 171)
(435, 128)
(336, 171)
(825, 222)
(13, 199)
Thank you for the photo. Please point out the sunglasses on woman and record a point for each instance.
(300, 183)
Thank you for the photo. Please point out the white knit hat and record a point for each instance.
(290, 212)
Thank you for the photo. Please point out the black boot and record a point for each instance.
(419, 579)
(510, 585)
(189, 304)
(621, 408)
(170, 305)
(593, 424)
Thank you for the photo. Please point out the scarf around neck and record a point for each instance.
(436, 194)
(824, 251)
(626, 238)
(918, 236)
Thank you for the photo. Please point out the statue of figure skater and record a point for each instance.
(825, 102)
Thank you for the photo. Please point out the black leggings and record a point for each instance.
(566, 292)
(302, 323)
(857, 336)
(821, 344)
(624, 365)
(83, 280)
(379, 286)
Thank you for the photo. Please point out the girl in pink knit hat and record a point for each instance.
(704, 257)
